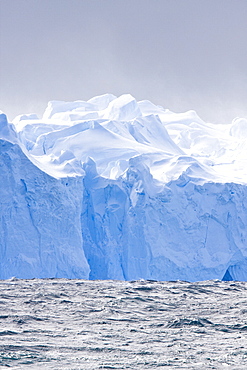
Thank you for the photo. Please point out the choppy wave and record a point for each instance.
(77, 324)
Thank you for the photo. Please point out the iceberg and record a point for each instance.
(112, 188)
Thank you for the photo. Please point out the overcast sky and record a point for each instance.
(181, 54)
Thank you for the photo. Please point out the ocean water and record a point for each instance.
(79, 324)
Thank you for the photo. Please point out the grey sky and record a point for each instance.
(181, 54)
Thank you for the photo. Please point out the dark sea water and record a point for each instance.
(78, 324)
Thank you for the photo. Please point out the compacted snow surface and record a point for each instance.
(113, 188)
(137, 325)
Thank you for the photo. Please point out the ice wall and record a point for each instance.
(118, 189)
(40, 228)
(187, 231)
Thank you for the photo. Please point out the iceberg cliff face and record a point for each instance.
(113, 188)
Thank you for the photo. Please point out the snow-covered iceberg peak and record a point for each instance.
(116, 188)
(112, 130)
